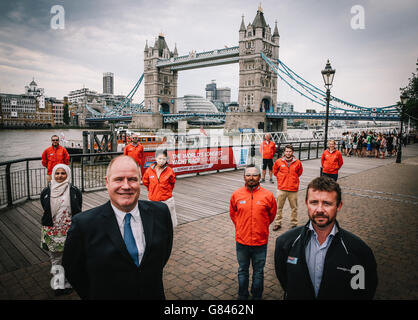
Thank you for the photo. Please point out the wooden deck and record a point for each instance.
(196, 198)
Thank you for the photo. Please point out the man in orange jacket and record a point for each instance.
(135, 150)
(332, 161)
(252, 210)
(287, 169)
(54, 155)
(267, 151)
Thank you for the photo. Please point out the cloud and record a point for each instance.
(102, 36)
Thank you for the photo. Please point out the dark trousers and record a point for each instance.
(257, 256)
(332, 176)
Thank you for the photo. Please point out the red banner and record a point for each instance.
(196, 160)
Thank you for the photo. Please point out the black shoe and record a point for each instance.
(63, 292)
(271, 180)
(263, 180)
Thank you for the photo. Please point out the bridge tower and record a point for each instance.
(257, 82)
(160, 84)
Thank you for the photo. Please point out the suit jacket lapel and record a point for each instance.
(148, 226)
(111, 227)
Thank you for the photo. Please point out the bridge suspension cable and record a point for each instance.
(126, 102)
(316, 94)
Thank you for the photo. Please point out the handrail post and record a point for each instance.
(309, 150)
(9, 186)
(82, 174)
(300, 149)
(72, 170)
(317, 149)
(27, 179)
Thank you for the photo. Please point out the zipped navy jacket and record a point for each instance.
(339, 281)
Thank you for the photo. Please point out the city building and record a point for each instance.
(257, 82)
(232, 107)
(57, 108)
(223, 94)
(285, 107)
(220, 97)
(193, 103)
(211, 91)
(28, 110)
(108, 84)
(24, 111)
(33, 90)
(84, 95)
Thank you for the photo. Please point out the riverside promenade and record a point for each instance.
(380, 200)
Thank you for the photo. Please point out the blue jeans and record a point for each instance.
(257, 255)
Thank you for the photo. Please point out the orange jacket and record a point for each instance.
(52, 157)
(252, 213)
(287, 175)
(159, 189)
(331, 162)
(267, 150)
(136, 152)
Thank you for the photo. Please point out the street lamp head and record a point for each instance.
(404, 98)
(328, 75)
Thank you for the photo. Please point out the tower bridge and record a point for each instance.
(260, 68)
(257, 82)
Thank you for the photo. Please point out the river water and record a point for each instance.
(17, 144)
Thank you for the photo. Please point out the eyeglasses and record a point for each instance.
(55, 140)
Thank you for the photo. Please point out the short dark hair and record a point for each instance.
(289, 146)
(160, 151)
(324, 184)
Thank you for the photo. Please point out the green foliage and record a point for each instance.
(411, 90)
(66, 114)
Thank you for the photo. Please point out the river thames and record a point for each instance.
(17, 144)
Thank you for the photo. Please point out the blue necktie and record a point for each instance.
(130, 240)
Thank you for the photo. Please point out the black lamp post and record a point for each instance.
(328, 75)
(404, 101)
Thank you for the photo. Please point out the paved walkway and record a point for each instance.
(380, 199)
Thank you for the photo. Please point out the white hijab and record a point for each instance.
(60, 192)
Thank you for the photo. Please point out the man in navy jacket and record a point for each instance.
(118, 250)
(321, 260)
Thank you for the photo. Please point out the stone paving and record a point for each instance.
(379, 206)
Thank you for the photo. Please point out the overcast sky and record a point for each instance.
(109, 36)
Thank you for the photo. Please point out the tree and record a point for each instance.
(66, 114)
(411, 90)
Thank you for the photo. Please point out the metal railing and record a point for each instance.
(24, 179)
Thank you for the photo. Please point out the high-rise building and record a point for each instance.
(211, 91)
(223, 94)
(108, 82)
(218, 94)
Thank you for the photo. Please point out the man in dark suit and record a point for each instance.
(118, 250)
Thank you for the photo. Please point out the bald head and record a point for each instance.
(122, 159)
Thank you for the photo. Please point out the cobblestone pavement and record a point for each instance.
(379, 206)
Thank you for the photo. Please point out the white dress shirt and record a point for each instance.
(136, 226)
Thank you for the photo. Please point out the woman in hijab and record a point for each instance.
(160, 179)
(60, 201)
